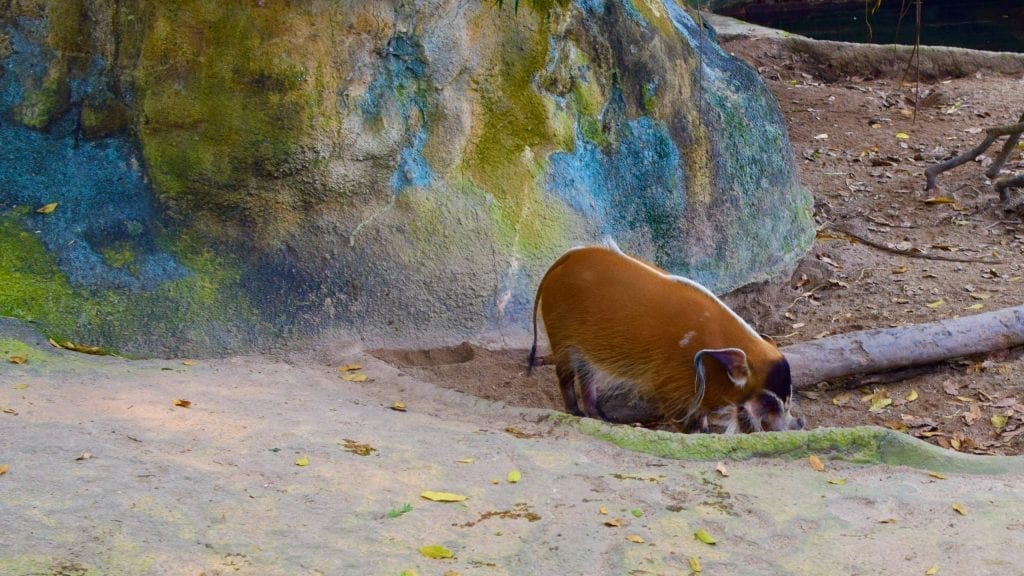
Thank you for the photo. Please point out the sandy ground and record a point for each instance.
(106, 475)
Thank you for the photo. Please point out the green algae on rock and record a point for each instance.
(392, 171)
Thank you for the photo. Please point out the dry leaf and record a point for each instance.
(47, 208)
(350, 367)
(911, 396)
(302, 460)
(19, 359)
(84, 456)
(189, 362)
(354, 377)
(450, 573)
(694, 564)
(975, 307)
(936, 304)
(436, 552)
(960, 508)
(20, 386)
(7, 410)
(901, 270)
(972, 415)
(398, 406)
(615, 523)
(602, 510)
(816, 463)
(950, 387)
(841, 399)
(442, 496)
(635, 539)
(704, 536)
(182, 402)
(932, 571)
(879, 403)
(3, 469)
(514, 476)
(358, 448)
(998, 421)
(939, 200)
(837, 481)
(902, 136)
(466, 460)
(722, 469)
(978, 296)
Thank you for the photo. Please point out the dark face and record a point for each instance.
(778, 381)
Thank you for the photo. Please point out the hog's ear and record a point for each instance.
(733, 360)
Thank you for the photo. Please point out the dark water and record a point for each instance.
(981, 24)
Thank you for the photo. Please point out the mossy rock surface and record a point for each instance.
(229, 177)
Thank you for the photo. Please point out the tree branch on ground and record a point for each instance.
(1013, 131)
(880, 350)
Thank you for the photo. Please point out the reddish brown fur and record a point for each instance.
(627, 319)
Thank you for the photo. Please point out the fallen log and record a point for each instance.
(880, 350)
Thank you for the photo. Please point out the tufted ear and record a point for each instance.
(769, 340)
(733, 360)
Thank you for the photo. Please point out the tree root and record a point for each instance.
(909, 254)
(991, 134)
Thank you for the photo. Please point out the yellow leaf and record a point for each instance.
(937, 304)
(998, 421)
(398, 406)
(721, 469)
(635, 539)
(975, 307)
(704, 536)
(442, 496)
(189, 362)
(602, 510)
(355, 377)
(350, 367)
(902, 136)
(901, 270)
(978, 296)
(302, 460)
(614, 523)
(932, 571)
(3, 469)
(47, 208)
(357, 448)
(816, 463)
(938, 475)
(960, 508)
(20, 386)
(879, 403)
(466, 460)
(182, 402)
(887, 521)
(84, 456)
(837, 481)
(694, 564)
(408, 573)
(939, 200)
(841, 399)
(451, 573)
(514, 476)
(436, 552)
(912, 395)
(19, 359)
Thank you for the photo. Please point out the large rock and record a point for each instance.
(233, 176)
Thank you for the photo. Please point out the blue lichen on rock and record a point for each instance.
(228, 177)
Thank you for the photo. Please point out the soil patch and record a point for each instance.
(862, 149)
